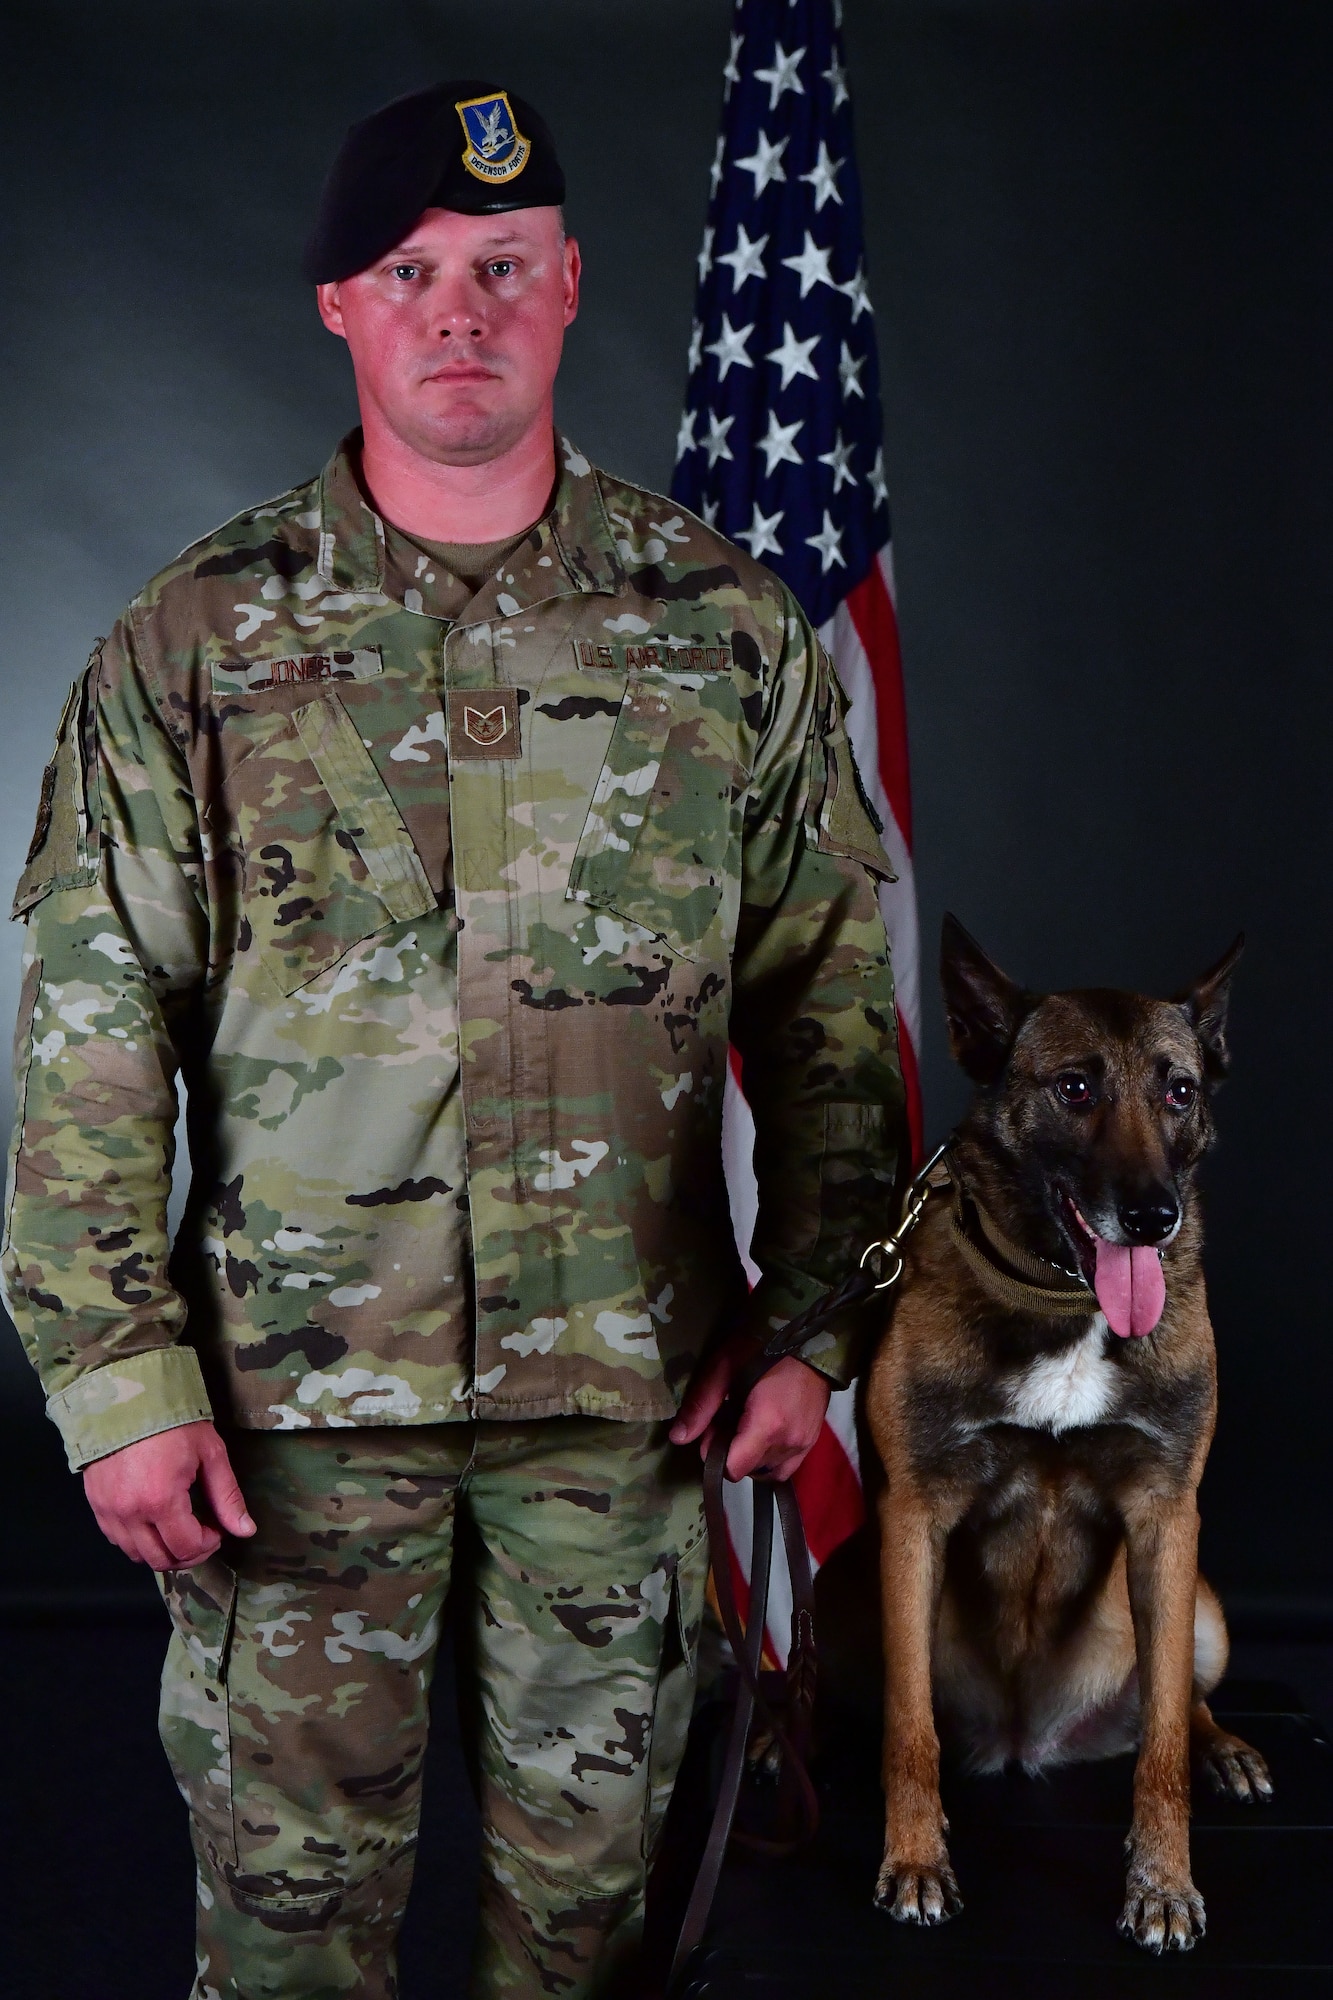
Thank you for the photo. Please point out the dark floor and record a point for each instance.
(1041, 1870)
(96, 1892)
(96, 1887)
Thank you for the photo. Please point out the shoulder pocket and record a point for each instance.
(662, 833)
(65, 845)
(328, 860)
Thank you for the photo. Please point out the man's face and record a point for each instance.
(455, 333)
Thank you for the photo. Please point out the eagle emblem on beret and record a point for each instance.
(495, 150)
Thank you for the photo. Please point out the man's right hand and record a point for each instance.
(141, 1497)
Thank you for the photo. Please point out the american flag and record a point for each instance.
(781, 448)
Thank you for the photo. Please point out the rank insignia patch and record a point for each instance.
(496, 150)
(483, 722)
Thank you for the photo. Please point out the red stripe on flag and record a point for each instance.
(829, 1494)
(876, 623)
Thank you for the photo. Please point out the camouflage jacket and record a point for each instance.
(444, 923)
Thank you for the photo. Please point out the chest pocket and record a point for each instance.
(662, 833)
(328, 860)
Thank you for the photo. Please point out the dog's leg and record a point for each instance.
(1163, 1909)
(1231, 1766)
(916, 1884)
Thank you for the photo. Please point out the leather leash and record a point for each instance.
(880, 1267)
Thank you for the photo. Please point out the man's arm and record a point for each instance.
(813, 1018)
(114, 967)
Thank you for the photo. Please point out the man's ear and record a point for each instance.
(573, 272)
(329, 302)
(1204, 1006)
(983, 1006)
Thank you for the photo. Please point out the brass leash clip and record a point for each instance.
(891, 1247)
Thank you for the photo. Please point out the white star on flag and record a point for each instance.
(777, 446)
(685, 435)
(760, 534)
(836, 77)
(729, 347)
(730, 73)
(783, 75)
(696, 345)
(765, 163)
(827, 544)
(793, 357)
(715, 444)
(840, 458)
(715, 171)
(858, 292)
(705, 258)
(879, 485)
(849, 372)
(747, 259)
(811, 267)
(823, 178)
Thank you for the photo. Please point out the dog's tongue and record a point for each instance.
(1130, 1286)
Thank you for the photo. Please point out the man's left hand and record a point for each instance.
(782, 1417)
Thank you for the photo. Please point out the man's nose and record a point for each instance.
(1150, 1216)
(460, 311)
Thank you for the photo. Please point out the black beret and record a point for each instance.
(468, 146)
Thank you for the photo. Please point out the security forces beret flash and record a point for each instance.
(467, 145)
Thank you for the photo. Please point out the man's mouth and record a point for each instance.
(1129, 1281)
(470, 372)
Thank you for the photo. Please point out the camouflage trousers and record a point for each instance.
(294, 1697)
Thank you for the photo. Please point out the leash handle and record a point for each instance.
(748, 1647)
(747, 1644)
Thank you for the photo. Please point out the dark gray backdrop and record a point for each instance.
(1099, 252)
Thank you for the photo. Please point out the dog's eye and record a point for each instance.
(1071, 1088)
(1181, 1093)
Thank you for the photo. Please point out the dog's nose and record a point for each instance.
(1150, 1218)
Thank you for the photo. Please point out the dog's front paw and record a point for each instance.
(1235, 1770)
(1160, 1915)
(918, 1894)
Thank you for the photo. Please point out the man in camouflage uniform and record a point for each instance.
(437, 825)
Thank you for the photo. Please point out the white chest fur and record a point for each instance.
(1061, 1391)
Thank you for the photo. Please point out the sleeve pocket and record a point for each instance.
(64, 851)
(843, 820)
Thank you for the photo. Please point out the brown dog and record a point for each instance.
(1043, 1405)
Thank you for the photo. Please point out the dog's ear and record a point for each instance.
(1204, 1006)
(983, 1006)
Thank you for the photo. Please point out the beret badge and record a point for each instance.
(495, 150)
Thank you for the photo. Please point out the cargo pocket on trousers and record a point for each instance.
(193, 1717)
(674, 1701)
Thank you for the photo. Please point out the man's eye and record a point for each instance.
(1071, 1088)
(501, 267)
(1181, 1093)
(406, 271)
